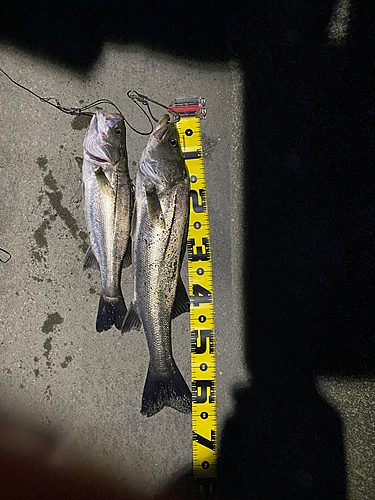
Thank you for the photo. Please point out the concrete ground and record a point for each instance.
(57, 373)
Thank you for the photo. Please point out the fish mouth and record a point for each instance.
(161, 128)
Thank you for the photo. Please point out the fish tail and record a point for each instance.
(168, 390)
(111, 311)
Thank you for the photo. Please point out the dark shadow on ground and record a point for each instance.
(310, 213)
(310, 232)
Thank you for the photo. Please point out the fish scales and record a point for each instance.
(107, 197)
(158, 239)
(157, 252)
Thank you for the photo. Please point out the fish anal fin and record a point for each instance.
(181, 301)
(132, 320)
(90, 260)
(79, 194)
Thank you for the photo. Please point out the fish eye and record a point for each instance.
(173, 142)
(118, 131)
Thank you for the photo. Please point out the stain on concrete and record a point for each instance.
(37, 255)
(92, 290)
(42, 162)
(84, 246)
(47, 347)
(36, 359)
(65, 363)
(55, 197)
(80, 122)
(40, 234)
(208, 144)
(48, 393)
(35, 278)
(22, 386)
(51, 321)
(36, 372)
(51, 182)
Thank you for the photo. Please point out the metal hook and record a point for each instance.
(136, 96)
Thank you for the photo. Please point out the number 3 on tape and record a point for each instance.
(201, 292)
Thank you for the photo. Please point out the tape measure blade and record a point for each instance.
(202, 307)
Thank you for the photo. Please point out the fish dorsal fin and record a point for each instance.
(154, 209)
(79, 195)
(181, 301)
(132, 319)
(90, 260)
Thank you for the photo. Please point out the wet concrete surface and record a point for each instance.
(58, 372)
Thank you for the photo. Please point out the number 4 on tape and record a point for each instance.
(201, 294)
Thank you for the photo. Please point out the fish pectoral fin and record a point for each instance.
(132, 319)
(79, 195)
(127, 259)
(154, 209)
(181, 301)
(90, 260)
(103, 182)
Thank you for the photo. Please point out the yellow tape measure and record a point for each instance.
(201, 296)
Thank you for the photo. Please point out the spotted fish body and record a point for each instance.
(107, 199)
(159, 239)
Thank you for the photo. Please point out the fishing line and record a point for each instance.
(136, 96)
(53, 101)
(8, 254)
(48, 100)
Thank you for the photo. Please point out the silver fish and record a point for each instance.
(106, 190)
(159, 231)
